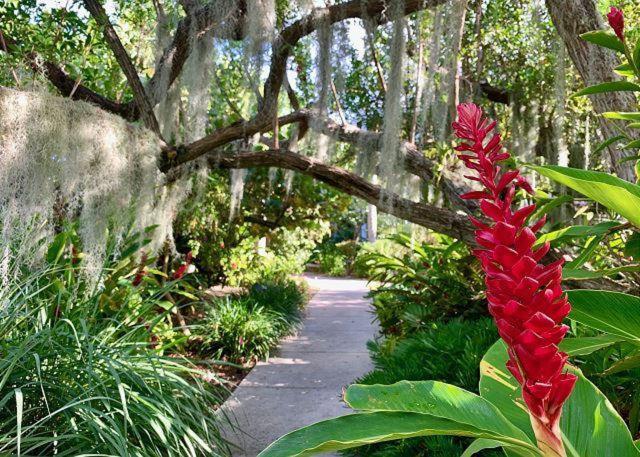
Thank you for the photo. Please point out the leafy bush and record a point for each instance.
(79, 374)
(331, 260)
(421, 283)
(290, 219)
(447, 351)
(244, 329)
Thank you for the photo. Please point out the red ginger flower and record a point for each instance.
(616, 21)
(524, 295)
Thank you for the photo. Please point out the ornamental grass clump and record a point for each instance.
(525, 297)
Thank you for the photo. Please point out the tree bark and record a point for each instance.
(595, 65)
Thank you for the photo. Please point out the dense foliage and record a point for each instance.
(246, 328)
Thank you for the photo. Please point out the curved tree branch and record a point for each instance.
(438, 219)
(139, 93)
(67, 85)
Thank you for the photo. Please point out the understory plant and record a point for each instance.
(83, 371)
(532, 402)
(418, 283)
(449, 351)
(244, 329)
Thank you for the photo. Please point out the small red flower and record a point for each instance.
(182, 269)
(616, 21)
(524, 295)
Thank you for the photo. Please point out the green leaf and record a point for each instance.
(610, 312)
(479, 445)
(624, 70)
(622, 116)
(612, 86)
(613, 192)
(590, 425)
(630, 158)
(632, 246)
(578, 274)
(548, 206)
(587, 252)
(635, 144)
(627, 363)
(436, 399)
(604, 39)
(588, 344)
(575, 231)
(636, 53)
(56, 248)
(499, 387)
(608, 142)
(355, 430)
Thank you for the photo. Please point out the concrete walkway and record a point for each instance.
(303, 383)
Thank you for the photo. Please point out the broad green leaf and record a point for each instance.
(499, 387)
(612, 86)
(436, 399)
(578, 274)
(613, 192)
(604, 39)
(611, 312)
(633, 116)
(588, 344)
(590, 425)
(627, 363)
(574, 231)
(355, 430)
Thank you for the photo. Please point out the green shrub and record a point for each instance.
(446, 351)
(331, 259)
(286, 297)
(420, 283)
(449, 352)
(244, 329)
(238, 330)
(79, 378)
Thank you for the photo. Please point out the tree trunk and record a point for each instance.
(595, 65)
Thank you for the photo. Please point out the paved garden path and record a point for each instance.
(303, 383)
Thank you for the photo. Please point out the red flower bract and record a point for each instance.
(524, 295)
(616, 21)
(182, 269)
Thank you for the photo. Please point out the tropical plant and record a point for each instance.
(82, 370)
(449, 351)
(629, 70)
(524, 405)
(421, 282)
(244, 329)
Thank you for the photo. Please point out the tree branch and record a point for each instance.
(139, 93)
(438, 219)
(65, 84)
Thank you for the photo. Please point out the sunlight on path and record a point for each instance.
(303, 383)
